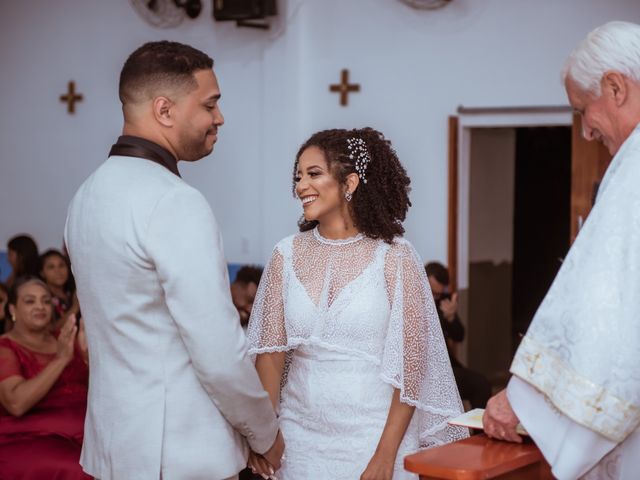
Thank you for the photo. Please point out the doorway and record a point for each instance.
(518, 232)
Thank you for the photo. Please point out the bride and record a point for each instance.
(344, 327)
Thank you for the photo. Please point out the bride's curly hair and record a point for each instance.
(380, 205)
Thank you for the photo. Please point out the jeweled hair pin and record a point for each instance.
(360, 155)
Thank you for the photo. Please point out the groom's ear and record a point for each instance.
(162, 108)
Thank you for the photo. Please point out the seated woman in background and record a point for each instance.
(55, 271)
(43, 389)
(22, 253)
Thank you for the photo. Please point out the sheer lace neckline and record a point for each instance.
(339, 241)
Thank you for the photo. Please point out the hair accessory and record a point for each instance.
(360, 155)
(348, 196)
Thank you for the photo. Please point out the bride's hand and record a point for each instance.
(259, 465)
(379, 468)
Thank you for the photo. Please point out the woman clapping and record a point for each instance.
(43, 388)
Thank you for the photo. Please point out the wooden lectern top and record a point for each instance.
(479, 457)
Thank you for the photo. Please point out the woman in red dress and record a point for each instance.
(43, 389)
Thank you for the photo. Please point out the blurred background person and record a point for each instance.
(4, 295)
(56, 272)
(243, 291)
(473, 386)
(22, 253)
(43, 389)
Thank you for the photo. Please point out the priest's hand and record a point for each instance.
(380, 467)
(499, 419)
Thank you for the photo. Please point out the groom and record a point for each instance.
(172, 393)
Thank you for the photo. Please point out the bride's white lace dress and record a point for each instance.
(357, 319)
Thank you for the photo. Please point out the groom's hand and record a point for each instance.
(259, 466)
(274, 454)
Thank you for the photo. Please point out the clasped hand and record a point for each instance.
(268, 463)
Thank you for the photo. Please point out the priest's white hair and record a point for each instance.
(614, 46)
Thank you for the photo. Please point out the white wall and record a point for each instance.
(415, 68)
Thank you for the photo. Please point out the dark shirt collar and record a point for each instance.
(130, 146)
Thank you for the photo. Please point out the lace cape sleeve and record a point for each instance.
(267, 331)
(415, 358)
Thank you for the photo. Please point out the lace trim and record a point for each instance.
(428, 436)
(296, 342)
(435, 442)
(314, 341)
(577, 397)
(414, 403)
(420, 405)
(339, 241)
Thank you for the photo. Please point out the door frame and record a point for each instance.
(469, 118)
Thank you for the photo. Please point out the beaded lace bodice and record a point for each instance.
(370, 300)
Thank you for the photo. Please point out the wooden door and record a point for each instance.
(452, 217)
(589, 160)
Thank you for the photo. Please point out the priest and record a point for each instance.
(576, 382)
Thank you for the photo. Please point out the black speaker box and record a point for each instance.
(243, 9)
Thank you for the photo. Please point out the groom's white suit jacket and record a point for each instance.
(172, 391)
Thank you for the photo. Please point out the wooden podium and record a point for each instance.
(479, 457)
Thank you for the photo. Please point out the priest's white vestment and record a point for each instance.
(576, 384)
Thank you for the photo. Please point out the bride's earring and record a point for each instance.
(348, 196)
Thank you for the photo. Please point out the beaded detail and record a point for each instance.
(360, 155)
(340, 241)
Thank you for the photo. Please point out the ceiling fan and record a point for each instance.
(166, 13)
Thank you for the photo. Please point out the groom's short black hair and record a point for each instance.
(160, 68)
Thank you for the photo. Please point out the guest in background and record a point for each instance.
(243, 291)
(43, 389)
(4, 295)
(56, 272)
(473, 386)
(22, 253)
